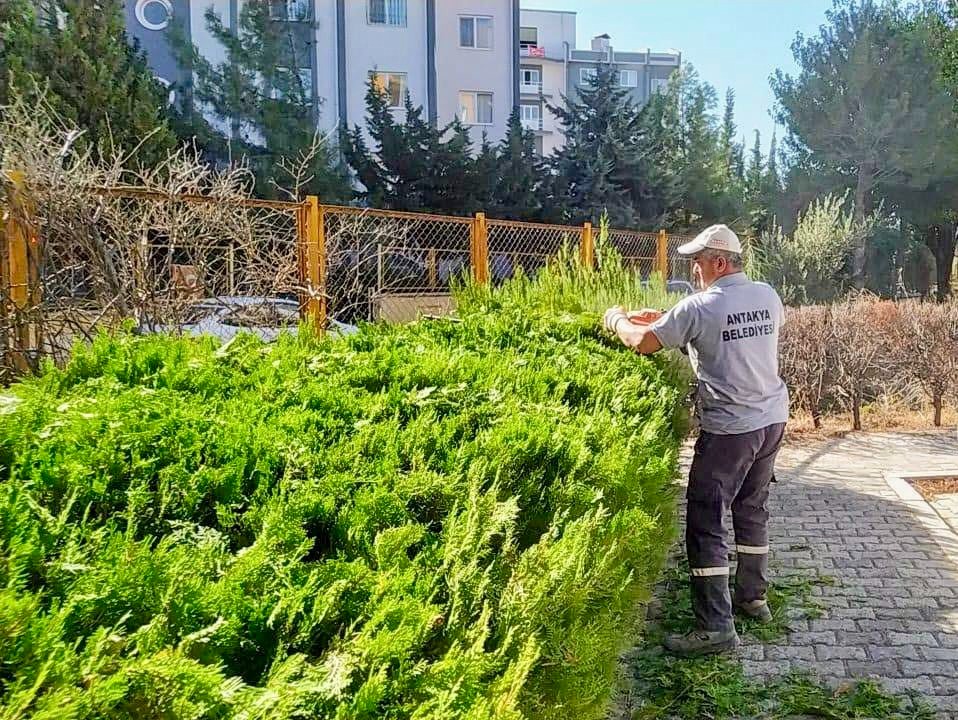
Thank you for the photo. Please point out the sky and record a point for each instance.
(732, 43)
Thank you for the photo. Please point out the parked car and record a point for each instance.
(227, 316)
(679, 287)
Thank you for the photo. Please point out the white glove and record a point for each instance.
(612, 316)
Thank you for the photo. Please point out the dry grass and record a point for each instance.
(880, 416)
(931, 488)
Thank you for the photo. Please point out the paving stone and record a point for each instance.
(824, 637)
(938, 653)
(884, 652)
(805, 653)
(897, 638)
(839, 652)
(914, 668)
(892, 613)
(872, 668)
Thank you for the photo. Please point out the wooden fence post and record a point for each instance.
(313, 255)
(587, 248)
(20, 278)
(479, 249)
(662, 255)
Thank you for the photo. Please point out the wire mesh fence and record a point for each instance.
(383, 265)
(639, 250)
(224, 264)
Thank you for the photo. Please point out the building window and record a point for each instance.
(528, 37)
(475, 108)
(530, 80)
(531, 116)
(293, 10)
(629, 78)
(660, 85)
(285, 85)
(475, 32)
(392, 85)
(588, 76)
(387, 12)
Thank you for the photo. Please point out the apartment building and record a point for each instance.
(550, 66)
(453, 57)
(475, 59)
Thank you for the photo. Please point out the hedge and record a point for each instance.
(452, 519)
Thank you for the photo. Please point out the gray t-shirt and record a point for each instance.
(731, 330)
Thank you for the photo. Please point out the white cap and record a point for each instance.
(717, 237)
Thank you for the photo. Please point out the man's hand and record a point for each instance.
(643, 317)
(612, 316)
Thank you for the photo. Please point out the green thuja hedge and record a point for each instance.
(453, 519)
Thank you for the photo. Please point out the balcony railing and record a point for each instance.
(530, 88)
(532, 51)
(532, 124)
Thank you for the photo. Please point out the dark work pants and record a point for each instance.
(729, 471)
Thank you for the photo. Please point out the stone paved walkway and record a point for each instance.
(893, 611)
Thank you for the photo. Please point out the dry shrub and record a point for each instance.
(104, 257)
(897, 356)
(927, 350)
(859, 348)
(805, 361)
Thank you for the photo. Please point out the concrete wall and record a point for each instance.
(325, 81)
(387, 49)
(469, 69)
(647, 66)
(555, 27)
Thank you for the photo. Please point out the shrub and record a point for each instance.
(453, 519)
(927, 349)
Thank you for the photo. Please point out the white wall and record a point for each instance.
(459, 69)
(211, 49)
(553, 85)
(384, 48)
(326, 63)
(554, 29)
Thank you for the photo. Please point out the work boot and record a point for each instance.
(756, 610)
(698, 643)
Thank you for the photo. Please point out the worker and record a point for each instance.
(730, 330)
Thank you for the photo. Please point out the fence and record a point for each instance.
(219, 264)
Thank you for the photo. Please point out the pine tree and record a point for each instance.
(518, 173)
(658, 191)
(773, 183)
(77, 51)
(702, 167)
(598, 168)
(731, 151)
(755, 173)
(412, 165)
(259, 94)
(486, 178)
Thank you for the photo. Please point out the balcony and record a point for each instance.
(530, 88)
(534, 124)
(532, 51)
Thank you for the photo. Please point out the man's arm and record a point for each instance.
(638, 337)
(633, 329)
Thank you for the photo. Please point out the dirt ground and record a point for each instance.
(878, 417)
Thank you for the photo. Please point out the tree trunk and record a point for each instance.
(937, 402)
(943, 248)
(816, 418)
(861, 210)
(856, 410)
